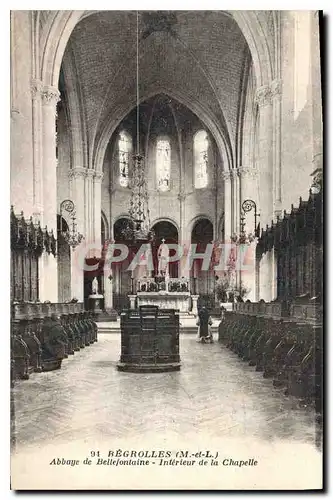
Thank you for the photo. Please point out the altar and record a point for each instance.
(162, 290)
(165, 300)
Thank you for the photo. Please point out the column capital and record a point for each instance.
(76, 172)
(36, 87)
(98, 176)
(226, 175)
(263, 96)
(233, 173)
(50, 96)
(276, 88)
(246, 171)
(182, 196)
(89, 173)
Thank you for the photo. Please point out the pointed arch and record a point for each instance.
(206, 116)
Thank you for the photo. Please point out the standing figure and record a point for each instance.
(204, 324)
(94, 286)
(163, 259)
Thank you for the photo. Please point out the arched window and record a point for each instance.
(200, 159)
(163, 164)
(124, 151)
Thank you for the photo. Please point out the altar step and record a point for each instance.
(188, 326)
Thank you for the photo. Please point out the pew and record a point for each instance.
(286, 348)
(149, 340)
(43, 334)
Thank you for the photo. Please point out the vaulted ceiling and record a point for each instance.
(200, 58)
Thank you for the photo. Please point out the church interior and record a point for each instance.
(166, 239)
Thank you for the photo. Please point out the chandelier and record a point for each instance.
(138, 226)
(244, 238)
(71, 235)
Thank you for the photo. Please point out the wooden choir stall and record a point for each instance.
(42, 334)
(283, 339)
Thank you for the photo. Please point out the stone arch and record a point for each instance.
(78, 129)
(220, 136)
(53, 44)
(166, 219)
(197, 218)
(249, 24)
(55, 36)
(60, 26)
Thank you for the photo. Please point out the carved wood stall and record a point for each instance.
(28, 242)
(284, 339)
(297, 241)
(43, 334)
(149, 340)
(285, 347)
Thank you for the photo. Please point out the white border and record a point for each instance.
(5, 199)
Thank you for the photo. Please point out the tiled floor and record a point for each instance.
(216, 400)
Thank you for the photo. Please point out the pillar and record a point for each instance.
(77, 193)
(36, 92)
(48, 264)
(89, 206)
(108, 292)
(316, 98)
(248, 184)
(227, 206)
(21, 154)
(97, 212)
(276, 90)
(195, 304)
(266, 188)
(182, 240)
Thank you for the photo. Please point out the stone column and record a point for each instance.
(88, 206)
(97, 194)
(132, 299)
(237, 200)
(21, 149)
(266, 187)
(77, 192)
(48, 267)
(276, 90)
(36, 92)
(108, 292)
(248, 183)
(227, 206)
(182, 240)
(265, 156)
(316, 97)
(195, 304)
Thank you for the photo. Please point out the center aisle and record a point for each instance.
(216, 402)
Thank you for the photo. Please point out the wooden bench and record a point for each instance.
(43, 334)
(149, 340)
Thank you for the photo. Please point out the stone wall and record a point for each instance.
(301, 128)
(21, 174)
(182, 204)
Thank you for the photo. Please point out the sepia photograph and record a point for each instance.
(166, 250)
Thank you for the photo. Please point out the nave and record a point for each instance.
(215, 401)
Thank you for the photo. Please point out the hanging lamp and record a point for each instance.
(138, 226)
